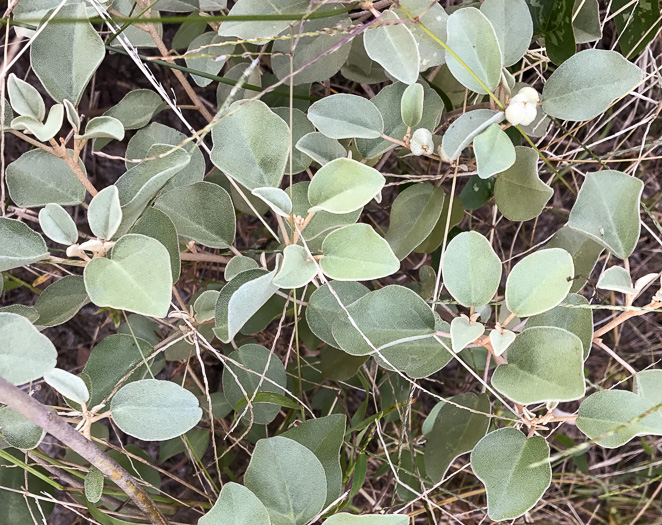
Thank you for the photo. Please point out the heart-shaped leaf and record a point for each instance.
(500, 341)
(494, 151)
(617, 279)
(464, 332)
(297, 269)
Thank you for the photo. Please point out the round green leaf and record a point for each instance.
(19, 245)
(61, 300)
(320, 148)
(154, 410)
(471, 269)
(204, 54)
(587, 83)
(356, 253)
(238, 264)
(236, 505)
(57, 224)
(584, 250)
(25, 354)
(512, 25)
(93, 484)
(278, 200)
(616, 279)
(157, 225)
(137, 108)
(135, 277)
(539, 282)
(297, 269)
(342, 116)
(435, 19)
(288, 479)
(103, 127)
(105, 214)
(494, 151)
(247, 29)
(70, 386)
(502, 461)
(367, 519)
(19, 432)
(344, 186)
(461, 132)
(464, 332)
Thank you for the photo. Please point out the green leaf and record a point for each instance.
(241, 73)
(25, 354)
(28, 312)
(242, 150)
(616, 279)
(17, 508)
(19, 245)
(157, 225)
(464, 332)
(356, 253)
(205, 54)
(137, 108)
(519, 193)
(414, 214)
(435, 19)
(461, 132)
(93, 485)
(243, 375)
(70, 386)
(512, 25)
(113, 359)
(471, 269)
(476, 192)
(240, 299)
(248, 29)
(539, 282)
(195, 440)
(296, 270)
(236, 505)
(411, 105)
(278, 200)
(609, 414)
(321, 148)
(323, 307)
(202, 211)
(25, 99)
(607, 210)
(57, 224)
(585, 253)
(267, 397)
(559, 33)
(343, 186)
(367, 519)
(103, 127)
(545, 363)
(473, 39)
(79, 51)
(300, 126)
(238, 264)
(310, 52)
(105, 213)
(288, 479)
(438, 233)
(61, 301)
(455, 432)
(135, 277)
(637, 24)
(138, 186)
(360, 67)
(501, 341)
(586, 84)
(343, 116)
(394, 47)
(154, 410)
(578, 320)
(19, 432)
(46, 131)
(494, 151)
(38, 178)
(502, 461)
(586, 21)
(324, 438)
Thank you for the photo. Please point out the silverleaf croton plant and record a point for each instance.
(343, 257)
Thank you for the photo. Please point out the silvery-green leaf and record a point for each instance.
(19, 245)
(238, 264)
(360, 67)
(411, 106)
(205, 305)
(539, 282)
(301, 126)
(135, 276)
(18, 432)
(70, 386)
(342, 116)
(587, 83)
(137, 36)
(25, 354)
(242, 149)
(93, 484)
(320, 148)
(243, 73)
(434, 18)
(79, 51)
(28, 312)
(586, 21)
(607, 210)
(202, 211)
(203, 55)
(463, 332)
(584, 250)
(103, 128)
(500, 341)
(367, 519)
(494, 151)
(154, 410)
(343, 186)
(471, 269)
(503, 461)
(519, 193)
(616, 279)
(157, 225)
(38, 178)
(7, 116)
(57, 224)
(46, 131)
(513, 26)
(137, 108)
(261, 28)
(473, 39)
(461, 132)
(72, 115)
(356, 253)
(277, 199)
(394, 47)
(61, 301)
(105, 213)
(296, 270)
(25, 99)
(243, 375)
(236, 505)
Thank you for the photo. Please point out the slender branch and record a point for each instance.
(32, 141)
(204, 257)
(624, 317)
(618, 358)
(60, 151)
(40, 415)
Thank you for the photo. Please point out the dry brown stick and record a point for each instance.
(624, 317)
(45, 418)
(205, 257)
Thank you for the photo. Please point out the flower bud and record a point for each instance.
(530, 93)
(421, 142)
(521, 110)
